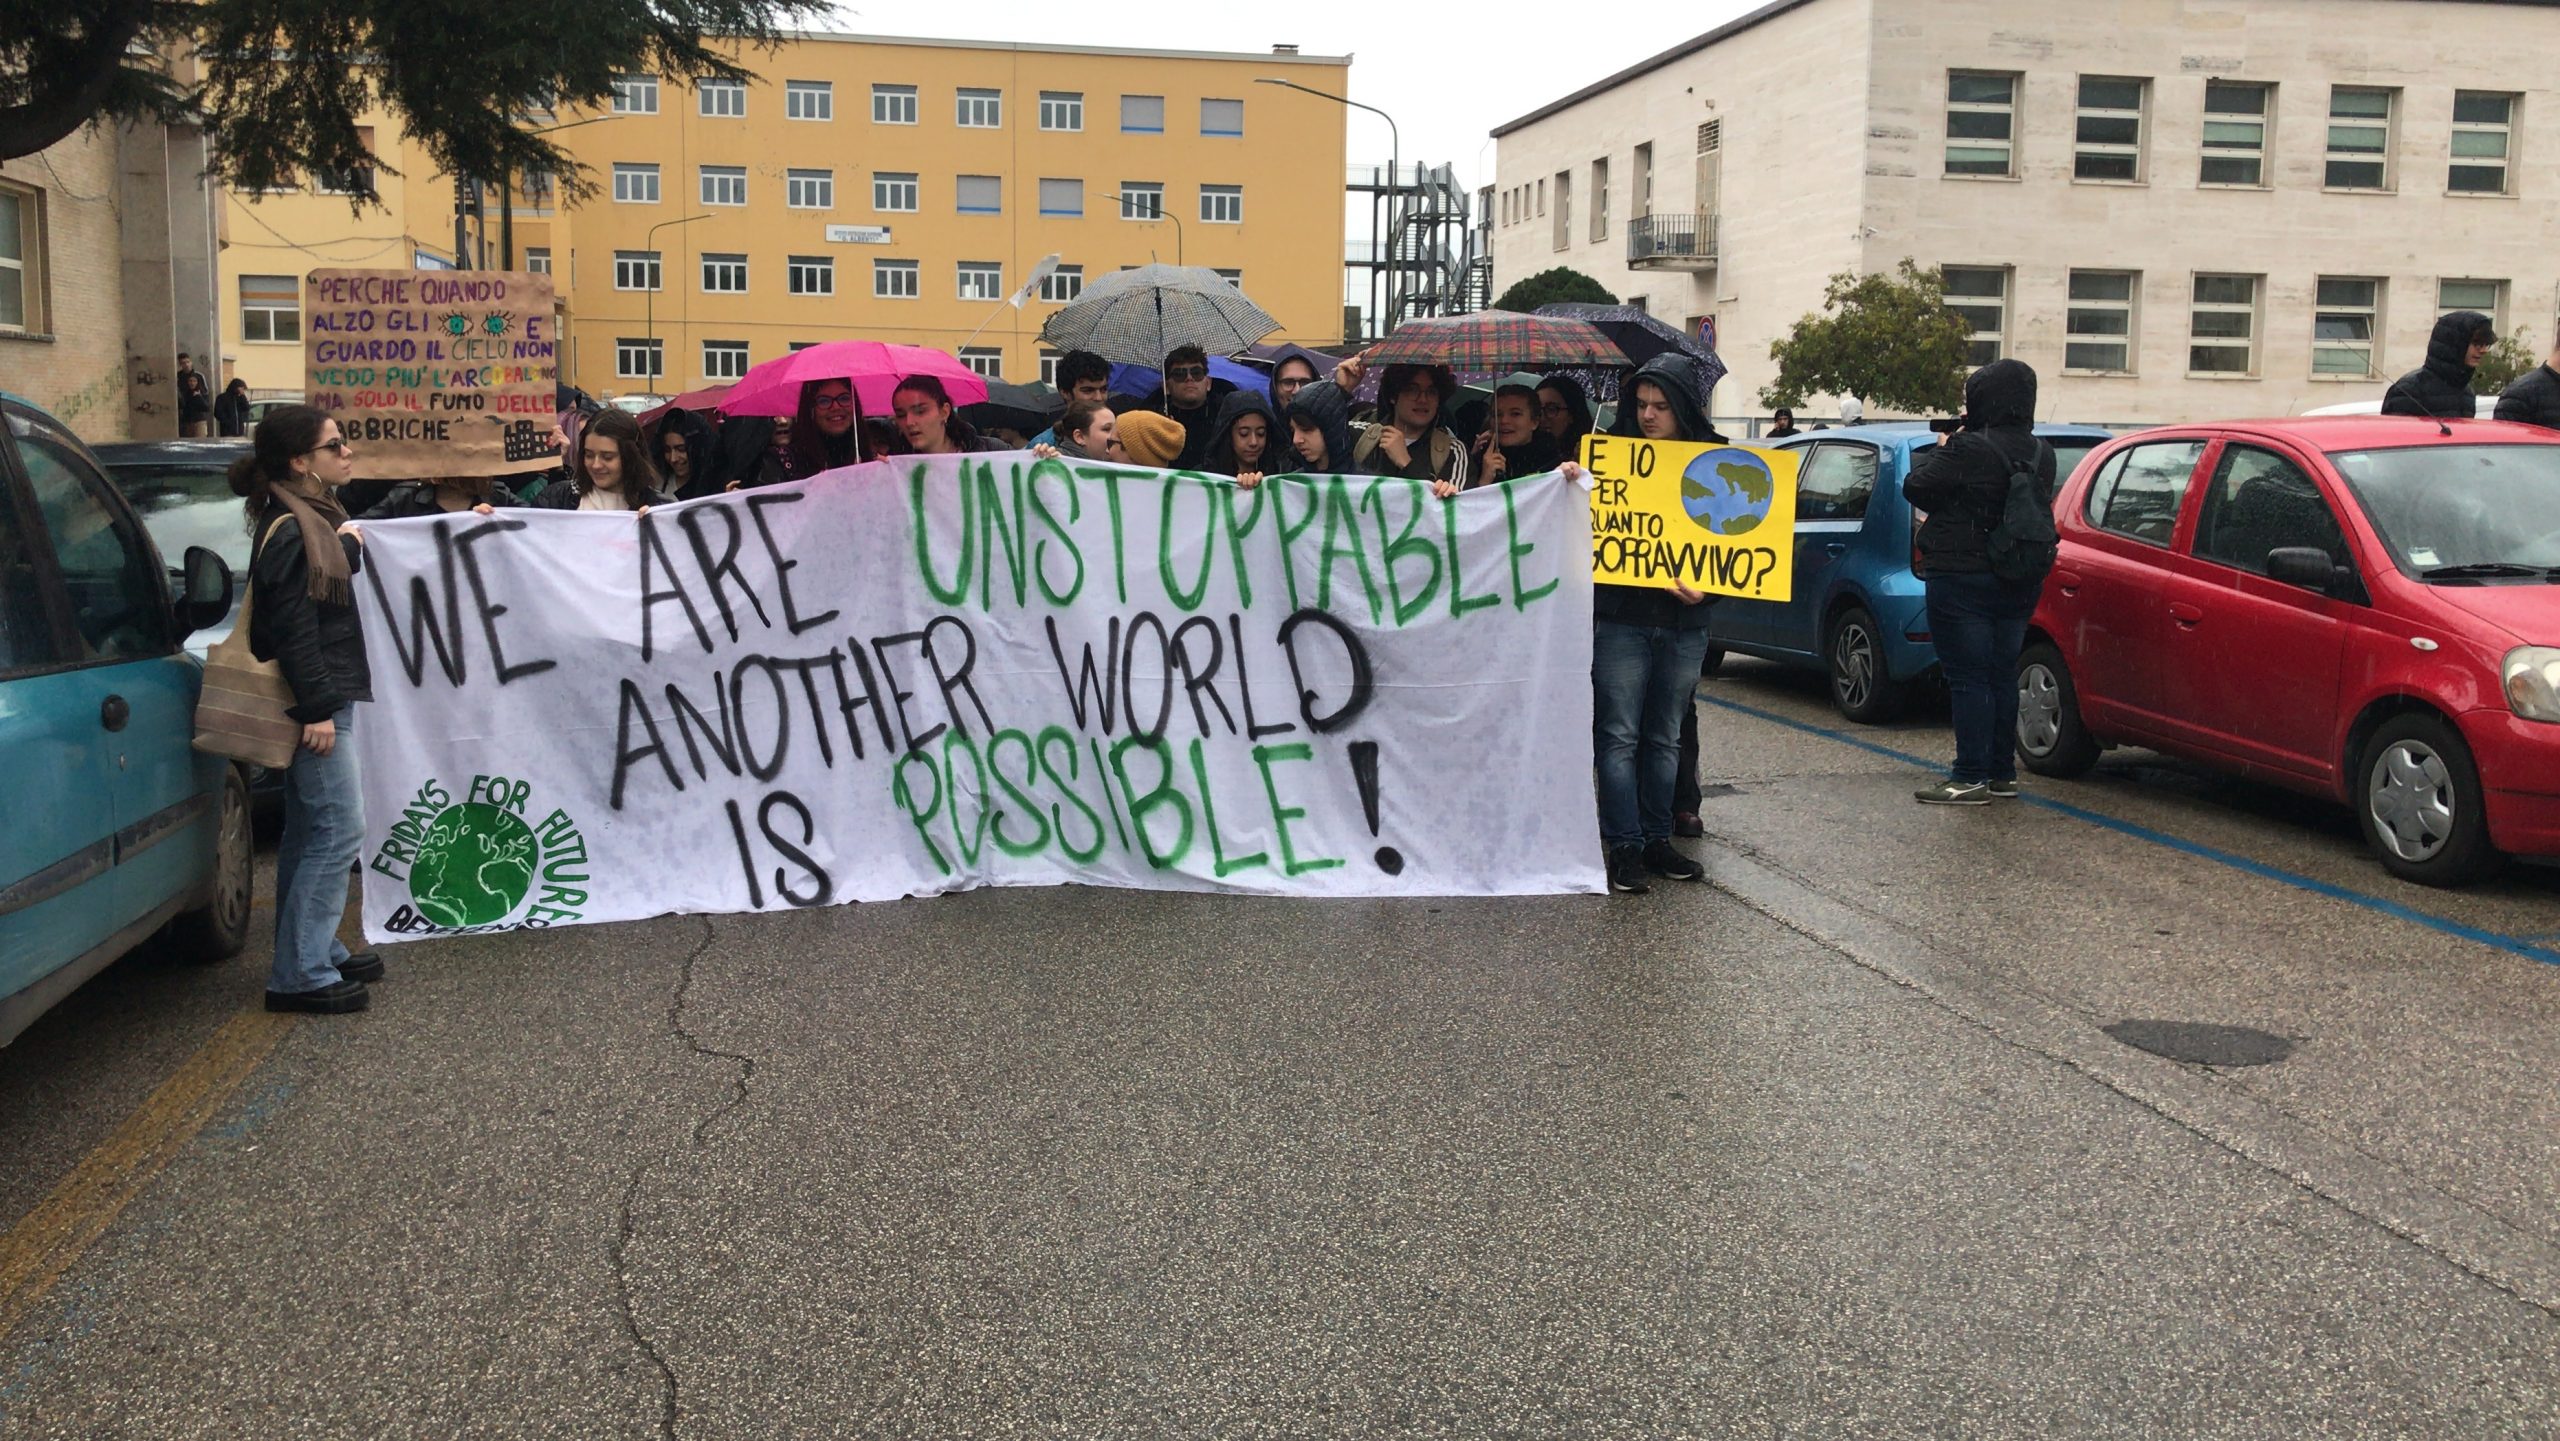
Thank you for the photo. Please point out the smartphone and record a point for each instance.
(1947, 425)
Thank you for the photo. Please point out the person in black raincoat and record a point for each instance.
(1190, 395)
(1320, 429)
(2442, 387)
(1977, 619)
(2533, 398)
(1258, 451)
(1564, 412)
(1291, 367)
(687, 451)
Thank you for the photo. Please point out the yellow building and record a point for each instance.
(871, 187)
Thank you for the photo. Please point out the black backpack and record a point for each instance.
(2022, 546)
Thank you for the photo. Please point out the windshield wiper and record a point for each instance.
(2486, 569)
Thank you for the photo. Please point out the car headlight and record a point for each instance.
(2531, 676)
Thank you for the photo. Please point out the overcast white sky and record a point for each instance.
(1448, 73)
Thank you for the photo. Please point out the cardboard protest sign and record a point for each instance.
(434, 372)
(1721, 518)
(940, 672)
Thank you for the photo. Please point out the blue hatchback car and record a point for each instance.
(112, 825)
(1857, 611)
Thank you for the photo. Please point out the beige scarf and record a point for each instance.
(319, 519)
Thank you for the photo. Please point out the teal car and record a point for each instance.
(113, 827)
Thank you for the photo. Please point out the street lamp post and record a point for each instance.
(1395, 185)
(649, 301)
(1154, 211)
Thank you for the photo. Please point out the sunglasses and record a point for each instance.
(836, 400)
(1187, 372)
(339, 446)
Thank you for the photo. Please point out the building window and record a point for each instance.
(2488, 297)
(1222, 117)
(2359, 139)
(1141, 200)
(1222, 204)
(810, 189)
(1981, 114)
(1049, 366)
(1564, 209)
(635, 95)
(980, 195)
(724, 274)
(2108, 142)
(722, 99)
(635, 184)
(353, 180)
(982, 280)
(812, 274)
(2235, 132)
(894, 280)
(724, 185)
(981, 109)
(985, 360)
(270, 305)
(1542, 197)
(2222, 325)
(1981, 295)
(635, 270)
(1142, 115)
(639, 359)
(808, 100)
(893, 105)
(1232, 277)
(2346, 311)
(1062, 197)
(892, 192)
(1599, 200)
(2098, 324)
(2483, 126)
(1640, 198)
(1061, 110)
(797, 346)
(1062, 284)
(538, 259)
(724, 359)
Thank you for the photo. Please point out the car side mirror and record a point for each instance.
(205, 596)
(2304, 565)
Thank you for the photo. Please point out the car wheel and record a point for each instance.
(2052, 739)
(218, 930)
(2418, 799)
(1714, 661)
(1861, 686)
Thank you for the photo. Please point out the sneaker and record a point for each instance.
(334, 1000)
(1686, 823)
(1626, 870)
(1665, 860)
(1954, 793)
(2002, 790)
(365, 966)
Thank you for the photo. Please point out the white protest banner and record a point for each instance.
(923, 675)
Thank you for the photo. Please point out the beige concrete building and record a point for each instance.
(2172, 209)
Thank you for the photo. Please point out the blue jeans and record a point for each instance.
(323, 831)
(1979, 623)
(1642, 679)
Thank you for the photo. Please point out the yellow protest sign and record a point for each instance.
(1720, 518)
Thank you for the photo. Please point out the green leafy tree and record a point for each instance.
(1889, 340)
(278, 85)
(1551, 287)
(2506, 360)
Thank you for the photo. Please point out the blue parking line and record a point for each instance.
(2513, 945)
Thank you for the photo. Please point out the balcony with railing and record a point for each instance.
(1672, 242)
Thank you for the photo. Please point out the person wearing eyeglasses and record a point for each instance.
(303, 559)
(826, 431)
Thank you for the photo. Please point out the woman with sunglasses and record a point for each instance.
(826, 431)
(303, 558)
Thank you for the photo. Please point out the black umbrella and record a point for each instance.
(1642, 336)
(1025, 409)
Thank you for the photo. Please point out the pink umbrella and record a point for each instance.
(874, 366)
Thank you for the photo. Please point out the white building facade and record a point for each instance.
(2173, 209)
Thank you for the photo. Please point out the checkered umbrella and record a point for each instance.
(1495, 340)
(1137, 316)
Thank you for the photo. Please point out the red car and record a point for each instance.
(2360, 607)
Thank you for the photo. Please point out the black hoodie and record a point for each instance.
(701, 450)
(1323, 405)
(1963, 481)
(2442, 387)
(1577, 401)
(1221, 459)
(1677, 377)
(1196, 424)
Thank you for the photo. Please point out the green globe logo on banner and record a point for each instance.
(1727, 492)
(481, 863)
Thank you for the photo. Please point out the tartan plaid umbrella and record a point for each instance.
(1138, 316)
(1496, 340)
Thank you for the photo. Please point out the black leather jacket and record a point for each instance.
(319, 647)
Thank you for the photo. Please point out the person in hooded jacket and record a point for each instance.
(1977, 619)
(1293, 366)
(2442, 387)
(2533, 398)
(687, 450)
(1564, 412)
(1190, 395)
(1647, 649)
(1320, 429)
(1245, 440)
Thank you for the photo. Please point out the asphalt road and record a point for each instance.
(1836, 1144)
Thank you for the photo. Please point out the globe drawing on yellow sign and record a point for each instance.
(1727, 492)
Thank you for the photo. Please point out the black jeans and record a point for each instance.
(1979, 623)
